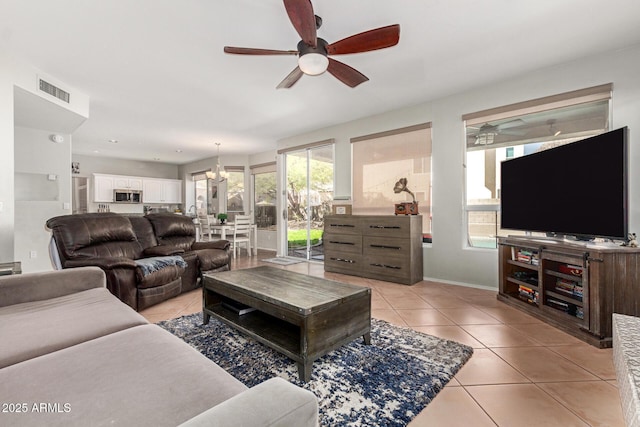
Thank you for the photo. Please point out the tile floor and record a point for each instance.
(522, 373)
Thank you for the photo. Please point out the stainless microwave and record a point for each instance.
(127, 196)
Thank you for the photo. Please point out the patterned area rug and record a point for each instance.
(283, 260)
(386, 383)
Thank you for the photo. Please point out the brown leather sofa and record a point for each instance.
(114, 242)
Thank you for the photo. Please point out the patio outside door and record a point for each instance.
(309, 180)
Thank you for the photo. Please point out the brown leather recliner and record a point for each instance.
(114, 242)
(178, 231)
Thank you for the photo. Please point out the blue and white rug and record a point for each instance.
(386, 383)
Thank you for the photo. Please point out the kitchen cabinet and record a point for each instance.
(127, 183)
(155, 190)
(103, 188)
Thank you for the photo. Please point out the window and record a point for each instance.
(264, 185)
(517, 130)
(205, 194)
(380, 160)
(235, 191)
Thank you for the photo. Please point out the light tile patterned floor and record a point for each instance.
(523, 372)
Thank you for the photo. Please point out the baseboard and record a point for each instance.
(467, 285)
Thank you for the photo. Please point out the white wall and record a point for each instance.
(449, 259)
(6, 159)
(31, 234)
(16, 220)
(107, 165)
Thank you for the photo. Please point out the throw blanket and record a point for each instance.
(149, 265)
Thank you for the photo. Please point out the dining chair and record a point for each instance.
(205, 223)
(241, 234)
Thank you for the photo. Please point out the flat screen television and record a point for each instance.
(578, 189)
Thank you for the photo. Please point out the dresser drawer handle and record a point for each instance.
(350, 261)
(392, 227)
(341, 243)
(341, 225)
(393, 267)
(386, 247)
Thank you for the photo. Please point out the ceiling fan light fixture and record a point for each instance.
(552, 128)
(313, 64)
(313, 61)
(486, 138)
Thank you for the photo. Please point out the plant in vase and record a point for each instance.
(222, 217)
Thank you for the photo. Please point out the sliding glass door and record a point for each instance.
(309, 192)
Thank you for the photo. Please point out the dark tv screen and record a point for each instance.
(578, 189)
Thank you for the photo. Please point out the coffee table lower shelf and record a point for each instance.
(282, 336)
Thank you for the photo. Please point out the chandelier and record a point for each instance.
(218, 175)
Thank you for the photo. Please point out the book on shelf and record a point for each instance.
(569, 288)
(570, 309)
(527, 294)
(573, 270)
(560, 305)
(237, 307)
(525, 256)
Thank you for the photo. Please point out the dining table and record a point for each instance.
(228, 228)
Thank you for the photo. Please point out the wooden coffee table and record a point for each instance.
(300, 316)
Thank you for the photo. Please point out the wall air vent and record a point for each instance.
(54, 91)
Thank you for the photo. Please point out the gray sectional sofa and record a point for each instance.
(73, 354)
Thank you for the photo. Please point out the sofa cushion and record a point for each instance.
(142, 376)
(144, 231)
(40, 327)
(173, 230)
(150, 296)
(95, 235)
(160, 277)
(20, 288)
(211, 259)
(273, 403)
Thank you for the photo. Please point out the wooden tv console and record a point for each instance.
(575, 286)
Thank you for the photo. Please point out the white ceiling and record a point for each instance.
(159, 81)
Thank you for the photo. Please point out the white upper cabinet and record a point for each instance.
(127, 183)
(161, 190)
(154, 190)
(103, 188)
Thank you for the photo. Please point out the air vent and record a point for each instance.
(54, 91)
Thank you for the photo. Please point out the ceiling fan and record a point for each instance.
(486, 133)
(313, 52)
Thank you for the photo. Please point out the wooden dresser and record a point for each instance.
(381, 247)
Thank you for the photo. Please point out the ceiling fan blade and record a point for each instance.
(252, 51)
(379, 38)
(291, 79)
(511, 124)
(303, 19)
(512, 132)
(347, 75)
